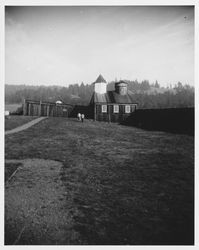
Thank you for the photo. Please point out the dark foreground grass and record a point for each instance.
(15, 121)
(124, 185)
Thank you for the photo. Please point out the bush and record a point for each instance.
(19, 111)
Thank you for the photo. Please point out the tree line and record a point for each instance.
(145, 94)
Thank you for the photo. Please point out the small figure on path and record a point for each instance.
(82, 116)
(79, 116)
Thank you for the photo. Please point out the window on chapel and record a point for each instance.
(104, 108)
(127, 109)
(116, 108)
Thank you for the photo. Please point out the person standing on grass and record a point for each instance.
(79, 116)
(82, 116)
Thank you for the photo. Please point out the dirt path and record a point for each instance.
(35, 207)
(25, 126)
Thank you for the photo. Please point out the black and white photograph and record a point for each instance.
(99, 125)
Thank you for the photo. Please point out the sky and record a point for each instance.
(62, 45)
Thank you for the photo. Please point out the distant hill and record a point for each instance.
(146, 95)
(155, 90)
(12, 89)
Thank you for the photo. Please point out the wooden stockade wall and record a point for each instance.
(39, 108)
(175, 120)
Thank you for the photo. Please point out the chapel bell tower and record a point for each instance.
(100, 85)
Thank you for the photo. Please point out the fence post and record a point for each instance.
(24, 107)
(48, 110)
(29, 109)
(40, 108)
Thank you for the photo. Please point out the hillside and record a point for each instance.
(145, 94)
(98, 183)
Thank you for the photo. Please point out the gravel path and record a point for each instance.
(36, 211)
(25, 126)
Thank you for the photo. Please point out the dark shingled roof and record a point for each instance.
(100, 79)
(121, 82)
(112, 97)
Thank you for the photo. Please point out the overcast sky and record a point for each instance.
(66, 45)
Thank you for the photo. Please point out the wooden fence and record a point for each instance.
(175, 120)
(39, 108)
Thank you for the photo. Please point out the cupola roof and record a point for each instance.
(100, 79)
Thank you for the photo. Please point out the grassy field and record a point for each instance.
(15, 121)
(105, 184)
